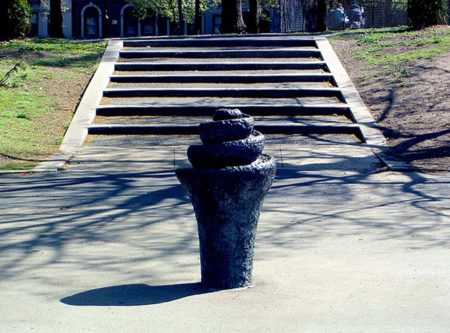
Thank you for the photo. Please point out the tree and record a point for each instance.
(198, 18)
(176, 10)
(303, 15)
(16, 18)
(253, 23)
(321, 15)
(426, 13)
(232, 18)
(180, 17)
(292, 15)
(315, 15)
(56, 19)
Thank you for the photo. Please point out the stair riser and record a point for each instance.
(209, 111)
(221, 79)
(220, 43)
(291, 93)
(218, 67)
(222, 55)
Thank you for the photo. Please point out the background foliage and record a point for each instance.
(19, 18)
(427, 13)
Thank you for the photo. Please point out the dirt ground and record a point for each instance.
(412, 110)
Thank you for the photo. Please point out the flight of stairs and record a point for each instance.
(168, 85)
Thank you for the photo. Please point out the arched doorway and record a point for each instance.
(149, 26)
(91, 22)
(129, 23)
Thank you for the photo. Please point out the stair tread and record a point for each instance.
(196, 60)
(223, 72)
(224, 102)
(188, 86)
(261, 93)
(195, 120)
(263, 74)
(219, 89)
(266, 128)
(264, 36)
(208, 110)
(181, 142)
(207, 42)
(218, 49)
(239, 105)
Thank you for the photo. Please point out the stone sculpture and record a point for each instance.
(227, 184)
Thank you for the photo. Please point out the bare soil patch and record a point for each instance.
(411, 106)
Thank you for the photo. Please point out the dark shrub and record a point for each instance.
(426, 13)
(17, 17)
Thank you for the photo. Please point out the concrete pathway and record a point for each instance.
(338, 249)
(110, 243)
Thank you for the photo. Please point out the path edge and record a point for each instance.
(85, 112)
(372, 136)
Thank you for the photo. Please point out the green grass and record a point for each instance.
(396, 48)
(31, 122)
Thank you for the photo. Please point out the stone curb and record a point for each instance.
(359, 111)
(85, 113)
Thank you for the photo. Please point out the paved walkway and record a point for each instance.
(339, 248)
(110, 245)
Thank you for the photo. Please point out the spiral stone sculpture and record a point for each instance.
(227, 184)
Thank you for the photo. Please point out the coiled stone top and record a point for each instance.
(228, 140)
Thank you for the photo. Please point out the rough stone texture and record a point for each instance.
(227, 203)
(226, 130)
(230, 153)
(222, 114)
(227, 185)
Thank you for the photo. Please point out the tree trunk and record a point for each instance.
(253, 24)
(56, 19)
(232, 19)
(311, 12)
(198, 18)
(315, 15)
(292, 15)
(321, 15)
(180, 18)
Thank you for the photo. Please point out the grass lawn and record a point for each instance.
(41, 82)
(386, 48)
(403, 76)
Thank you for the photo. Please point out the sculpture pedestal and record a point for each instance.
(227, 204)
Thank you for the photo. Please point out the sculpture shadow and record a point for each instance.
(135, 294)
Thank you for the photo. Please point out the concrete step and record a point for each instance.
(199, 61)
(209, 86)
(226, 78)
(222, 101)
(274, 53)
(168, 120)
(220, 66)
(108, 143)
(224, 92)
(225, 73)
(222, 42)
(218, 48)
(114, 129)
(208, 110)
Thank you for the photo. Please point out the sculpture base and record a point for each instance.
(227, 204)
